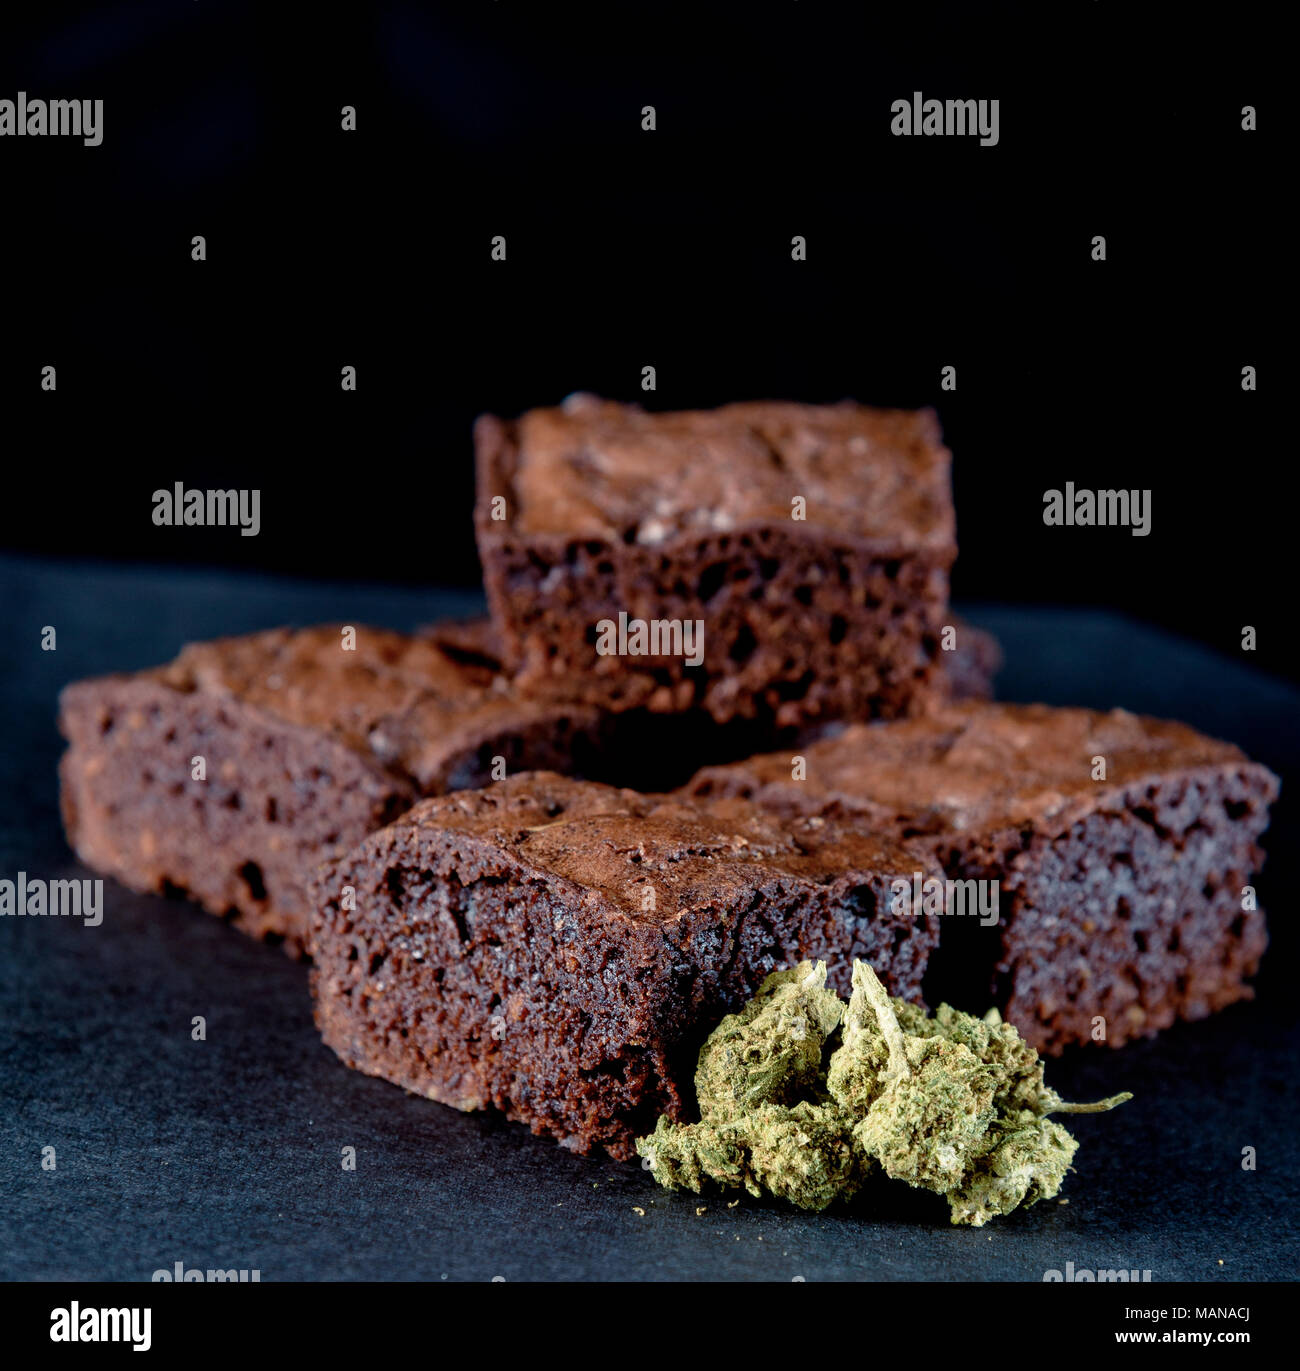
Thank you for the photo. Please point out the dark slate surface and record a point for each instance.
(226, 1153)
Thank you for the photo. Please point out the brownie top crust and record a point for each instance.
(611, 844)
(976, 767)
(404, 701)
(594, 468)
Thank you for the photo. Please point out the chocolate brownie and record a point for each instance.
(1121, 896)
(306, 748)
(559, 949)
(813, 543)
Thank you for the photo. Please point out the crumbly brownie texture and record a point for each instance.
(559, 949)
(1120, 898)
(307, 748)
(688, 517)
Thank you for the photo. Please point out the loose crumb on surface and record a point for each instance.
(636, 1209)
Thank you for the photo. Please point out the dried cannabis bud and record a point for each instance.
(803, 1154)
(765, 1121)
(1027, 1162)
(771, 1051)
(930, 1115)
(952, 1103)
(959, 1104)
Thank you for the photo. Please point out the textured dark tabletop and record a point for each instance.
(227, 1153)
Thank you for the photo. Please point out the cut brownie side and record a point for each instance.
(559, 949)
(1134, 915)
(1121, 898)
(813, 544)
(305, 748)
(275, 798)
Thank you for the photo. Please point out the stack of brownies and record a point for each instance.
(720, 718)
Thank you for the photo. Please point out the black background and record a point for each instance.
(627, 249)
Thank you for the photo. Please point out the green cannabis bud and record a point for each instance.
(1026, 1162)
(765, 1123)
(802, 1154)
(771, 1051)
(949, 1103)
(683, 1156)
(959, 1104)
(931, 1102)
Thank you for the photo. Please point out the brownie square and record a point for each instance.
(595, 510)
(306, 749)
(1121, 898)
(559, 949)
